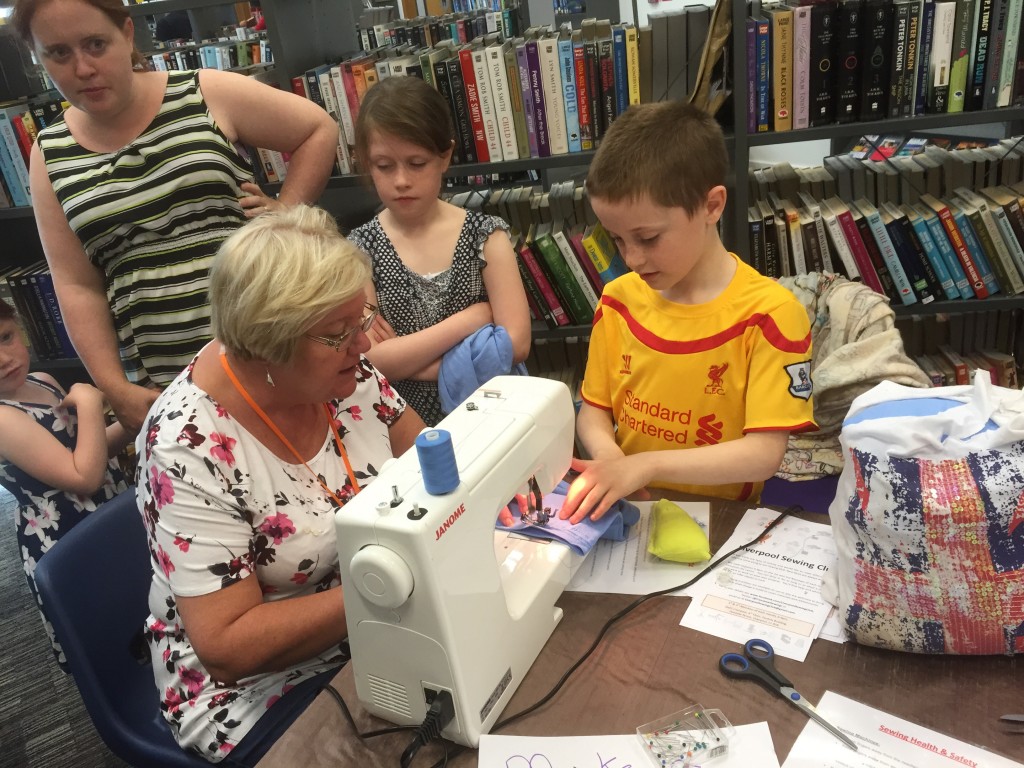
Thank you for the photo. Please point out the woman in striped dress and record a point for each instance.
(138, 184)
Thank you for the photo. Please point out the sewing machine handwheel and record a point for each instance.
(381, 576)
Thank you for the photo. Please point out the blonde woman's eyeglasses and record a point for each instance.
(342, 340)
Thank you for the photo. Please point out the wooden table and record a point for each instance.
(648, 667)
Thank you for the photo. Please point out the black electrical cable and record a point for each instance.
(629, 609)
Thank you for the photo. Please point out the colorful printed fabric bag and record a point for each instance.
(929, 519)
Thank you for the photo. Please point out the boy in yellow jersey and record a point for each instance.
(699, 367)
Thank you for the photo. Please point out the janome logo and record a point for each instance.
(443, 528)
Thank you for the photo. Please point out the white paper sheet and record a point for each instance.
(884, 741)
(749, 747)
(627, 568)
(771, 591)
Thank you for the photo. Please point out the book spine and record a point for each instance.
(876, 60)
(998, 254)
(563, 282)
(875, 259)
(572, 111)
(620, 69)
(755, 242)
(960, 54)
(782, 69)
(942, 51)
(812, 248)
(632, 65)
(891, 258)
(554, 104)
(848, 53)
(997, 38)
(488, 113)
(975, 95)
(909, 90)
(579, 276)
(751, 43)
(801, 66)
(501, 98)
(1013, 246)
(540, 279)
(953, 265)
(764, 84)
(979, 256)
(931, 252)
(592, 60)
(819, 227)
(576, 241)
(49, 295)
(445, 89)
(465, 125)
(1009, 62)
(13, 165)
(515, 90)
(537, 93)
(963, 255)
(529, 108)
(47, 326)
(579, 63)
(924, 57)
(607, 74)
(898, 57)
(851, 236)
(910, 259)
(476, 117)
(823, 63)
(538, 307)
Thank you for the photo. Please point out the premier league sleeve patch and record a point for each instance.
(800, 379)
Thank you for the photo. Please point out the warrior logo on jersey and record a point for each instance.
(626, 362)
(800, 379)
(715, 384)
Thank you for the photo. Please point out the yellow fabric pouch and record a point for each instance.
(676, 536)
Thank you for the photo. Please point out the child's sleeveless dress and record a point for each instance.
(45, 514)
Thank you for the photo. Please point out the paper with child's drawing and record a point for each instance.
(771, 590)
(750, 746)
(627, 568)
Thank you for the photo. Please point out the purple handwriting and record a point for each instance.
(541, 761)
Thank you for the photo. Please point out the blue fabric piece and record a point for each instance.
(581, 538)
(474, 361)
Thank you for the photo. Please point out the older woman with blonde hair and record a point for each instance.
(243, 461)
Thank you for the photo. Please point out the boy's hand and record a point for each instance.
(600, 484)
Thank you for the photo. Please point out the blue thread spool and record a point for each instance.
(437, 461)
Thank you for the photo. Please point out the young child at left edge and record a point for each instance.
(56, 453)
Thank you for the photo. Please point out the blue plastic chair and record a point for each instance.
(94, 583)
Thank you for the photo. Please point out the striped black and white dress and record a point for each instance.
(151, 216)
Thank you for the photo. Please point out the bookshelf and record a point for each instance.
(742, 142)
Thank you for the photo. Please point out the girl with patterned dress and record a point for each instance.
(55, 453)
(243, 461)
(139, 181)
(440, 273)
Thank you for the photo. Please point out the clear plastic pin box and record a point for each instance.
(690, 738)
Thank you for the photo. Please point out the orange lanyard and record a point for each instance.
(273, 427)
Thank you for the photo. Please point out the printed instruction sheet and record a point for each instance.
(770, 591)
(883, 741)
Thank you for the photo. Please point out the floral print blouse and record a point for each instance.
(218, 507)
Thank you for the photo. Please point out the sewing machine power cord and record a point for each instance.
(413, 747)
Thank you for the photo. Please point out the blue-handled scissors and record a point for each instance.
(758, 663)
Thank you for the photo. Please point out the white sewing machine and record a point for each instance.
(435, 598)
